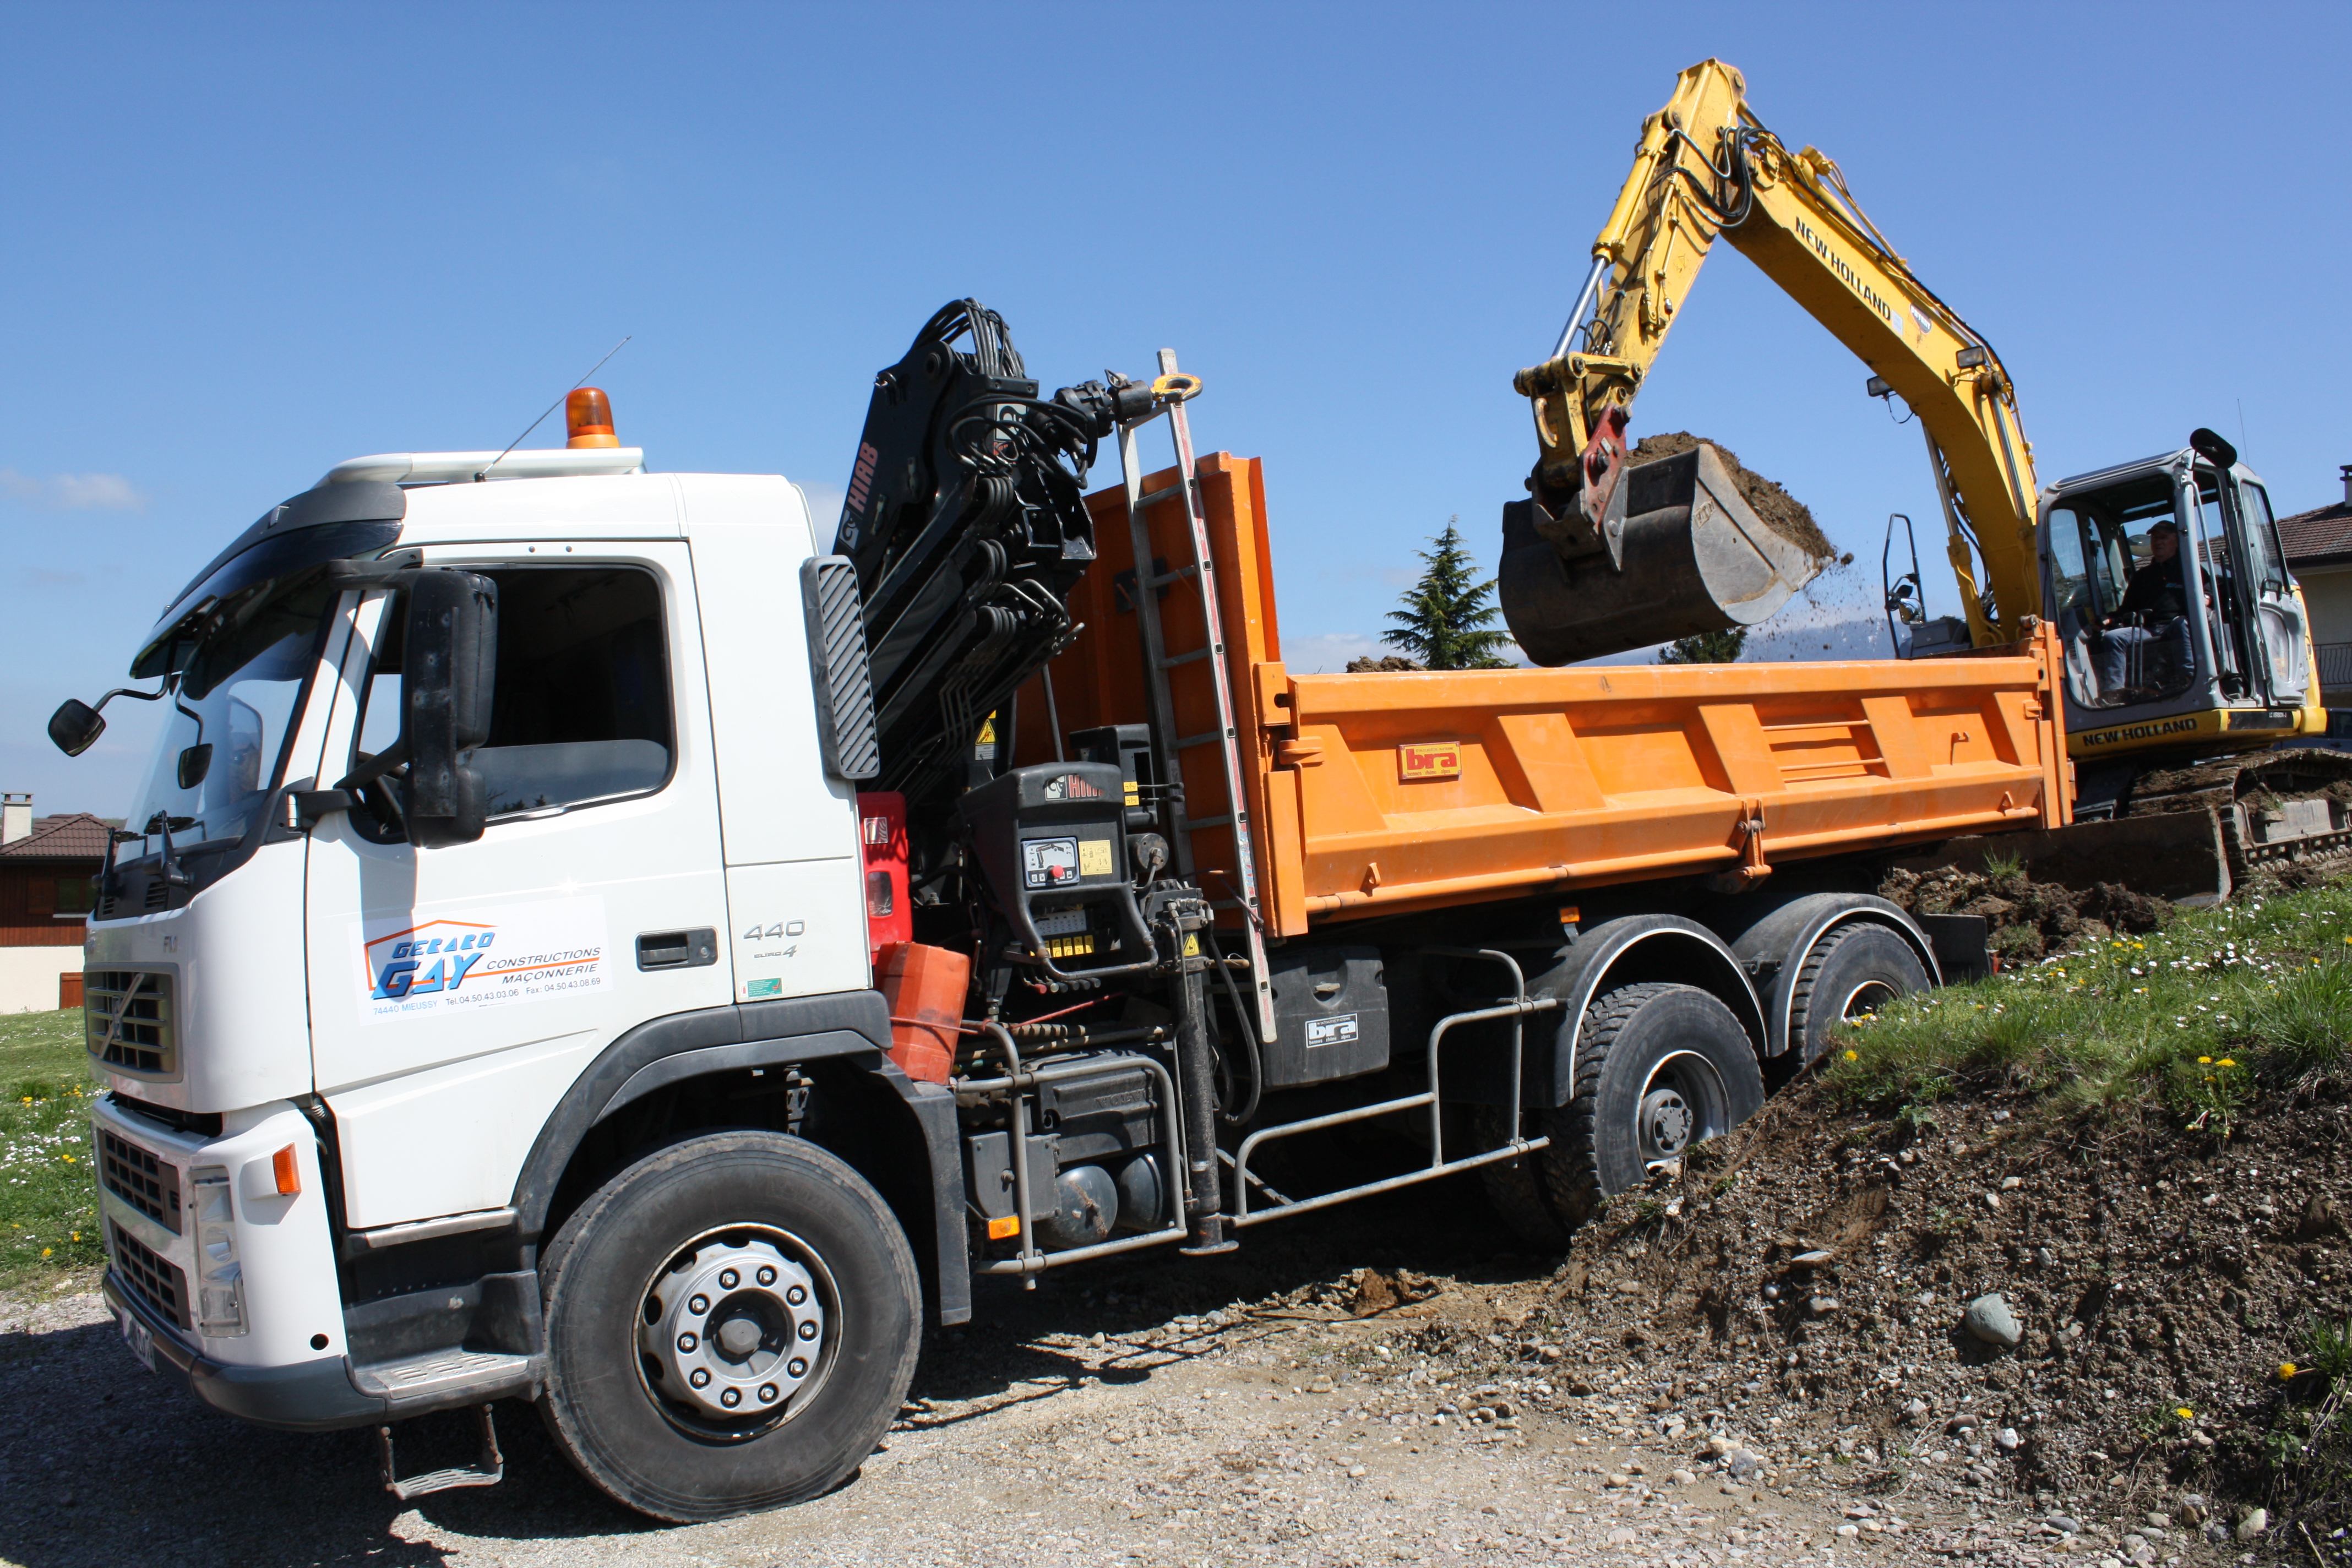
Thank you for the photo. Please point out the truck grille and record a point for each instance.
(127, 1016)
(140, 1180)
(157, 1281)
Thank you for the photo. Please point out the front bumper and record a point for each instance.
(278, 1355)
(307, 1396)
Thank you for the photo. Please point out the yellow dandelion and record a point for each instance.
(2204, 1061)
(1854, 1056)
(76, 1236)
(46, 1251)
(2287, 1371)
(2185, 1413)
(2226, 1062)
(67, 1158)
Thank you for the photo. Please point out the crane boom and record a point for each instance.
(1706, 166)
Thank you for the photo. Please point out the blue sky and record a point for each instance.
(243, 243)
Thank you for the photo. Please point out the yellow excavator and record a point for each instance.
(2187, 651)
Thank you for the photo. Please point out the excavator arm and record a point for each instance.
(1706, 168)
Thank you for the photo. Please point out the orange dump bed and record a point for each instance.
(1375, 793)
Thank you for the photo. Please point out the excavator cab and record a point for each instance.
(2167, 586)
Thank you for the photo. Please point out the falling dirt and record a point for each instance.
(1779, 511)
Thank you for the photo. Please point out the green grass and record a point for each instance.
(2218, 1007)
(49, 1200)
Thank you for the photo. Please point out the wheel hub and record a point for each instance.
(1665, 1122)
(734, 1329)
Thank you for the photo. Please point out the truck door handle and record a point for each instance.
(678, 948)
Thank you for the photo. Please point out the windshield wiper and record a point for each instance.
(162, 822)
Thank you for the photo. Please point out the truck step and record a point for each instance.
(442, 1371)
(491, 1470)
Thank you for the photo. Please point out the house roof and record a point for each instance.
(76, 836)
(2322, 536)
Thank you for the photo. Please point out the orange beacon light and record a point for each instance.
(589, 413)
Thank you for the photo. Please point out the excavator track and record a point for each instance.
(2271, 808)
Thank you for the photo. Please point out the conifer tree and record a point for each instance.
(1706, 647)
(1447, 619)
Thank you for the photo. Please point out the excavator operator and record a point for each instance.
(2144, 650)
(2156, 593)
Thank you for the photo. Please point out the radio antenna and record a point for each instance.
(550, 408)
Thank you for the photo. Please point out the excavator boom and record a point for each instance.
(1706, 168)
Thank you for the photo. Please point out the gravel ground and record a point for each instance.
(1276, 1406)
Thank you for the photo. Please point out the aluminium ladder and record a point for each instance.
(1170, 392)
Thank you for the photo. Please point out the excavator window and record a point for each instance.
(2225, 613)
(2121, 595)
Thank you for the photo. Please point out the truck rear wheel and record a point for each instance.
(1853, 970)
(731, 1325)
(1659, 1068)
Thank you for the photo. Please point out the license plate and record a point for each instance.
(135, 1335)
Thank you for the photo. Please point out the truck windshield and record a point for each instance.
(237, 693)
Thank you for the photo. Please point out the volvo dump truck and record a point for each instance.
(583, 940)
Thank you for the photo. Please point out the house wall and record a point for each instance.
(28, 904)
(2328, 594)
(28, 976)
(37, 944)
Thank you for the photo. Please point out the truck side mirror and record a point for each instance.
(448, 667)
(74, 726)
(195, 762)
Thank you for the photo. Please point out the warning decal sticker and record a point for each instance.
(412, 968)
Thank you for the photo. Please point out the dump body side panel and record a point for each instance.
(1377, 793)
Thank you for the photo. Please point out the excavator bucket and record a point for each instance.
(1678, 552)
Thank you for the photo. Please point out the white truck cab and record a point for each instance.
(350, 1067)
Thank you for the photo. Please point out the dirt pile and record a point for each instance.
(2025, 919)
(1392, 663)
(1779, 511)
(1816, 1266)
(1788, 1311)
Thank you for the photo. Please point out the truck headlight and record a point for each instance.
(220, 1277)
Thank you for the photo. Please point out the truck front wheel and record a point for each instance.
(1659, 1068)
(731, 1325)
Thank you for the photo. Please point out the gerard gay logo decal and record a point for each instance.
(1440, 761)
(411, 967)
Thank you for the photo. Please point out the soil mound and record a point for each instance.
(2024, 919)
(1781, 513)
(1393, 663)
(1814, 1269)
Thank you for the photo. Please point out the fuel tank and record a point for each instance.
(1678, 552)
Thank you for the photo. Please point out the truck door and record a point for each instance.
(455, 993)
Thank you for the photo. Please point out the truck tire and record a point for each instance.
(1659, 1067)
(1515, 1188)
(731, 1325)
(1854, 970)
